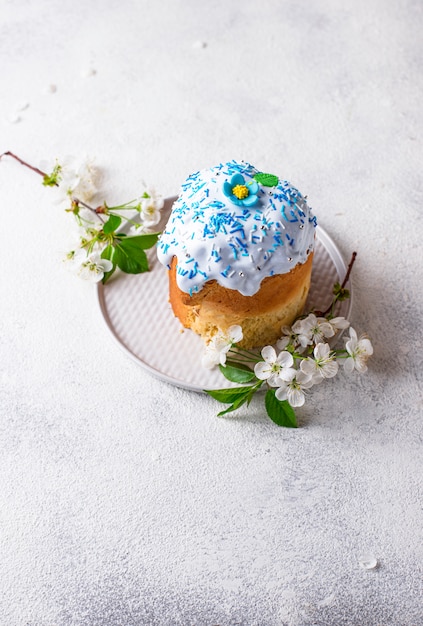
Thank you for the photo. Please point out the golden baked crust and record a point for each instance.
(278, 302)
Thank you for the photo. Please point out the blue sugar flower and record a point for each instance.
(241, 193)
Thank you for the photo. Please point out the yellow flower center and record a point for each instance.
(240, 192)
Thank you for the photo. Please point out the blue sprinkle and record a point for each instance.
(241, 243)
(234, 249)
(240, 230)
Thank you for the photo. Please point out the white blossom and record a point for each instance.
(322, 366)
(289, 338)
(150, 206)
(339, 323)
(89, 267)
(219, 345)
(273, 364)
(291, 384)
(359, 350)
(312, 330)
(78, 178)
(75, 177)
(74, 259)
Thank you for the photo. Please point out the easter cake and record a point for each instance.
(239, 249)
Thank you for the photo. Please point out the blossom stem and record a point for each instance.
(128, 206)
(350, 266)
(341, 353)
(77, 201)
(331, 307)
(127, 219)
(248, 353)
(240, 361)
(31, 167)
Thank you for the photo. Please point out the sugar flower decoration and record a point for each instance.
(241, 193)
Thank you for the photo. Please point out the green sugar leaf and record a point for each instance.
(267, 180)
(280, 411)
(237, 372)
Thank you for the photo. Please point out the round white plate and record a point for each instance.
(139, 317)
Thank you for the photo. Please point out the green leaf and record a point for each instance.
(340, 292)
(108, 253)
(280, 411)
(131, 260)
(51, 180)
(235, 405)
(237, 372)
(129, 252)
(267, 180)
(141, 242)
(228, 396)
(112, 224)
(344, 294)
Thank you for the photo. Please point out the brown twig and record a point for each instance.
(90, 208)
(43, 174)
(31, 167)
(347, 275)
(344, 282)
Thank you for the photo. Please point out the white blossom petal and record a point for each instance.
(295, 397)
(262, 370)
(339, 323)
(287, 374)
(235, 333)
(269, 354)
(349, 365)
(281, 393)
(285, 359)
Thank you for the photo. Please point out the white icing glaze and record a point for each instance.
(236, 245)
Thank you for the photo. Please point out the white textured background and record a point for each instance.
(124, 501)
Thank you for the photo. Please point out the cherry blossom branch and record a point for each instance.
(342, 286)
(96, 211)
(76, 201)
(31, 167)
(350, 266)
